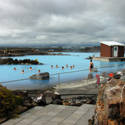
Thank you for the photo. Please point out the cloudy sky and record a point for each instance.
(61, 21)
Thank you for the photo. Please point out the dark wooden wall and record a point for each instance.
(105, 51)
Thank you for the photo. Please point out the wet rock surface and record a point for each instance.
(40, 76)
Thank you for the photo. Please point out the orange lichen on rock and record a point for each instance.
(110, 106)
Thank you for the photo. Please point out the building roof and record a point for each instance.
(112, 43)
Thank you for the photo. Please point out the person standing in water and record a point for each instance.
(91, 65)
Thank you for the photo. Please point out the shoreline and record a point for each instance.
(8, 52)
(19, 55)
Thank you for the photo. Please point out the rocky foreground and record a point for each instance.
(16, 102)
(110, 105)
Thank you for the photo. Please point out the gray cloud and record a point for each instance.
(61, 21)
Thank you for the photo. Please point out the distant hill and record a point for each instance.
(54, 47)
(49, 45)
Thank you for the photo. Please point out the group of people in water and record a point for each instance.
(91, 66)
(52, 66)
(63, 67)
(30, 68)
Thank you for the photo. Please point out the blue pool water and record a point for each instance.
(57, 75)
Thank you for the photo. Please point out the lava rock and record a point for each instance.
(40, 76)
(10, 61)
(117, 76)
(57, 101)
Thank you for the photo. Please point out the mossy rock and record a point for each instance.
(8, 102)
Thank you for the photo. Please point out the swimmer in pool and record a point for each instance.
(57, 66)
(22, 71)
(14, 68)
(30, 68)
(62, 67)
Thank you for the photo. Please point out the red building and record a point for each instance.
(111, 49)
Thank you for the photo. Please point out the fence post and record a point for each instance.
(59, 79)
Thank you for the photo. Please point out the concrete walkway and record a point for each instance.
(79, 87)
(84, 89)
(55, 115)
